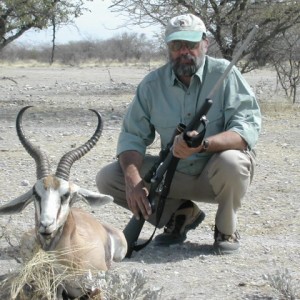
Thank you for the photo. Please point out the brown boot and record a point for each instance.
(188, 216)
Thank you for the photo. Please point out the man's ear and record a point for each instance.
(205, 44)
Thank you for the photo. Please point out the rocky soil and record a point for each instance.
(269, 221)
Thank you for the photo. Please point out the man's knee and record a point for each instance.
(106, 176)
(101, 179)
(234, 163)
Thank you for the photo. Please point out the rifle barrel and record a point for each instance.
(233, 62)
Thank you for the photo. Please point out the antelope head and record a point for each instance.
(53, 195)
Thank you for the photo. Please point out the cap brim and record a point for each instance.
(191, 36)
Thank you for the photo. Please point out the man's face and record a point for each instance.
(187, 57)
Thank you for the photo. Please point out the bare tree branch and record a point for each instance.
(228, 22)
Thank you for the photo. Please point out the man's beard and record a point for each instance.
(190, 65)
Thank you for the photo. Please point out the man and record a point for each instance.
(219, 170)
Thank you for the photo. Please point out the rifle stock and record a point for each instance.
(132, 232)
(134, 226)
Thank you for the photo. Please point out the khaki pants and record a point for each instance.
(224, 181)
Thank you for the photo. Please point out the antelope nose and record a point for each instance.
(46, 223)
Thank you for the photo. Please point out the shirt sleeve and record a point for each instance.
(137, 131)
(242, 112)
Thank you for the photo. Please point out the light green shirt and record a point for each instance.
(162, 102)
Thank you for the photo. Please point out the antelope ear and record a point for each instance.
(17, 205)
(93, 198)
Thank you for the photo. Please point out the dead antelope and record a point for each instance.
(88, 244)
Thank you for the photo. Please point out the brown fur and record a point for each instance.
(86, 238)
(51, 181)
(84, 242)
(84, 245)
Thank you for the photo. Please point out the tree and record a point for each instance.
(286, 60)
(18, 16)
(227, 21)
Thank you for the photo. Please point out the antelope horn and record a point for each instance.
(40, 157)
(66, 162)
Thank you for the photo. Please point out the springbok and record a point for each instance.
(87, 243)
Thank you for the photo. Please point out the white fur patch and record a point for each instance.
(112, 246)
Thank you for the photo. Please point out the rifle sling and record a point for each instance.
(161, 201)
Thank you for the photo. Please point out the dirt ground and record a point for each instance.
(269, 221)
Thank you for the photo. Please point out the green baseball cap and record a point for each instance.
(185, 27)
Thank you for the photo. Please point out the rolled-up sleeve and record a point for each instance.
(137, 131)
(242, 113)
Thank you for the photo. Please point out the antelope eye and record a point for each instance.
(65, 197)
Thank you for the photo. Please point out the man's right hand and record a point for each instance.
(136, 196)
(136, 192)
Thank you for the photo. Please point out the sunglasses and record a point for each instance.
(178, 45)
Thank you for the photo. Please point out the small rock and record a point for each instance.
(25, 183)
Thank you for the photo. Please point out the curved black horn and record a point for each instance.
(40, 157)
(66, 162)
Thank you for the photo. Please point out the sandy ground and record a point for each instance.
(268, 221)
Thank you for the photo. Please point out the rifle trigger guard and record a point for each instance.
(196, 141)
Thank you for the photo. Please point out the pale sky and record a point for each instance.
(99, 24)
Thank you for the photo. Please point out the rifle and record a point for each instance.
(160, 176)
(161, 173)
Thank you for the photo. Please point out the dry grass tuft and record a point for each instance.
(47, 272)
(284, 283)
(41, 277)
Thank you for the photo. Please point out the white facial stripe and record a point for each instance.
(50, 204)
(52, 212)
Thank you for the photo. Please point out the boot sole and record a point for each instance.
(225, 250)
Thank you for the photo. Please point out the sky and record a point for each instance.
(99, 24)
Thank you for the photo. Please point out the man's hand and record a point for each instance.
(227, 140)
(180, 147)
(136, 192)
(136, 196)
